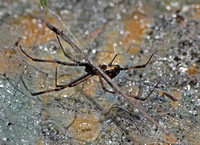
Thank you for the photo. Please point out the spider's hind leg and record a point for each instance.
(143, 99)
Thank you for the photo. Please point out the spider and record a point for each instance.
(111, 70)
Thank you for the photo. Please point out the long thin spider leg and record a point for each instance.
(41, 92)
(53, 61)
(64, 37)
(12, 84)
(61, 87)
(170, 96)
(143, 99)
(101, 81)
(69, 57)
(75, 116)
(167, 95)
(110, 64)
(113, 107)
(56, 80)
(139, 66)
(132, 96)
(128, 112)
(76, 81)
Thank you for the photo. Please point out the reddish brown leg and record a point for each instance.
(101, 81)
(132, 96)
(60, 87)
(110, 64)
(139, 66)
(143, 99)
(42, 92)
(170, 96)
(76, 81)
(52, 61)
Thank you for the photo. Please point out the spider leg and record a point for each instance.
(69, 57)
(126, 111)
(74, 82)
(132, 96)
(170, 96)
(52, 61)
(139, 66)
(41, 92)
(101, 81)
(143, 99)
(60, 87)
(110, 64)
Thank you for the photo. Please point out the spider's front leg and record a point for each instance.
(52, 61)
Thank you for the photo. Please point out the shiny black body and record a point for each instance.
(112, 71)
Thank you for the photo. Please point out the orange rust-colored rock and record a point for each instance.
(134, 29)
(170, 139)
(10, 62)
(106, 55)
(33, 30)
(196, 8)
(86, 127)
(176, 94)
(90, 87)
(192, 70)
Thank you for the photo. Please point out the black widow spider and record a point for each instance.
(111, 70)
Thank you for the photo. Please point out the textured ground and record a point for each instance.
(79, 115)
